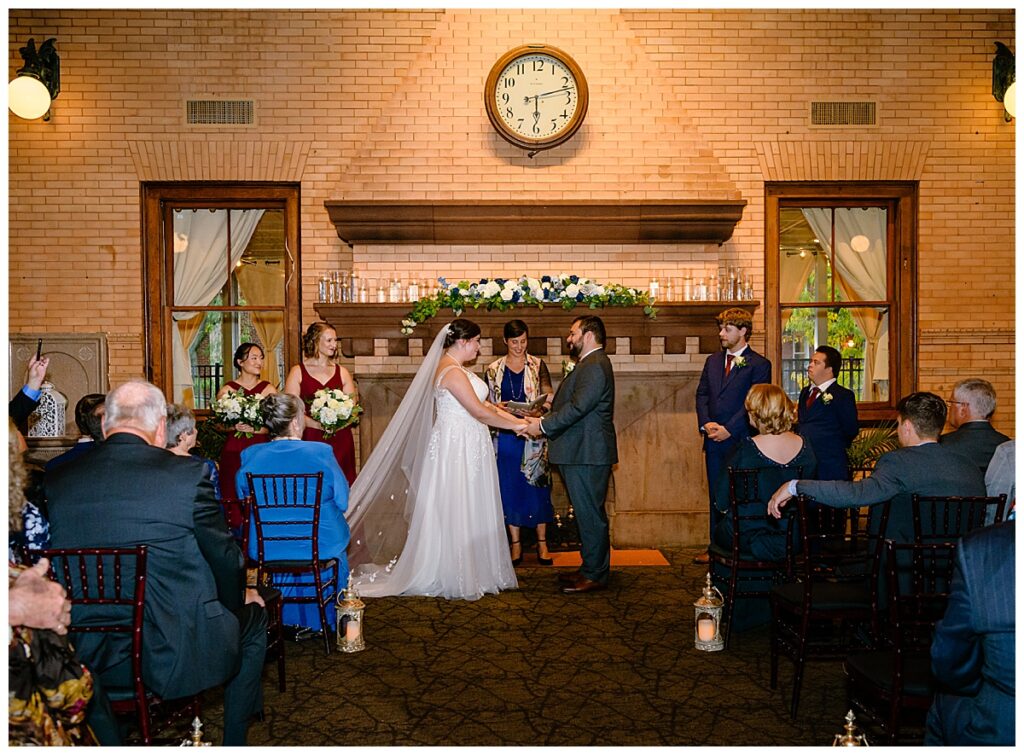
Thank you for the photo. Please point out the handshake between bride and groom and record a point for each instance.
(581, 443)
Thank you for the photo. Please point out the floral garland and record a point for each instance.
(503, 294)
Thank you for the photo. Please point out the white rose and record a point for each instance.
(491, 288)
(597, 290)
(506, 294)
(344, 411)
(532, 283)
(333, 403)
(571, 290)
(510, 284)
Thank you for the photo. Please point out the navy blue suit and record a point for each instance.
(829, 426)
(720, 399)
(973, 657)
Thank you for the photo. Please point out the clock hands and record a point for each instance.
(536, 109)
(548, 94)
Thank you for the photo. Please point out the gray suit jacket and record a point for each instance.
(579, 426)
(975, 440)
(929, 469)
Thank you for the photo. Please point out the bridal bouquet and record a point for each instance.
(334, 410)
(235, 407)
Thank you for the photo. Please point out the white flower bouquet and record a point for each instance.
(235, 408)
(334, 410)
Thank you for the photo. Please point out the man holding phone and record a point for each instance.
(25, 401)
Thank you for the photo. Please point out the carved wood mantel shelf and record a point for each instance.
(359, 324)
(552, 222)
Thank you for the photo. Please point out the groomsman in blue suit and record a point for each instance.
(724, 384)
(827, 414)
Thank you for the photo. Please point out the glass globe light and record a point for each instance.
(28, 98)
(1010, 100)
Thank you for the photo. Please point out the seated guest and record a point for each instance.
(970, 414)
(999, 477)
(25, 401)
(973, 655)
(827, 415)
(181, 439)
(287, 453)
(89, 418)
(202, 626)
(920, 466)
(779, 455)
(29, 530)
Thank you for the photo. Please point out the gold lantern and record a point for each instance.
(851, 737)
(708, 619)
(350, 620)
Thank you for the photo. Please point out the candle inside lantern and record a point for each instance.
(351, 630)
(705, 630)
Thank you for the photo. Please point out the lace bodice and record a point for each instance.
(448, 407)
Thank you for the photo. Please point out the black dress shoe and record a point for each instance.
(583, 585)
(567, 578)
(540, 559)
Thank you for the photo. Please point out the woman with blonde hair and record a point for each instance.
(779, 455)
(317, 370)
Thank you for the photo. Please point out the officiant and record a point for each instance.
(519, 377)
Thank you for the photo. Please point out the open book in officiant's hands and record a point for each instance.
(527, 408)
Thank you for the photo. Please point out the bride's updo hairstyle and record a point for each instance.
(279, 411)
(461, 330)
(311, 340)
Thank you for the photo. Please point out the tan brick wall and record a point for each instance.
(388, 104)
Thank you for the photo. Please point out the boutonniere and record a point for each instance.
(567, 367)
(826, 398)
(738, 362)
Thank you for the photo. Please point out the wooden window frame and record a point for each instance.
(157, 268)
(901, 200)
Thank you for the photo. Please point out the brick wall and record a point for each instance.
(388, 104)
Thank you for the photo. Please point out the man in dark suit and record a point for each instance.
(89, 419)
(920, 466)
(970, 414)
(973, 655)
(202, 627)
(721, 393)
(582, 444)
(827, 414)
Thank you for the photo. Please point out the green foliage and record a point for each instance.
(871, 443)
(502, 294)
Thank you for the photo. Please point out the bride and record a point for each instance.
(425, 510)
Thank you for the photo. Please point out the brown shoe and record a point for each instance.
(567, 578)
(703, 558)
(583, 585)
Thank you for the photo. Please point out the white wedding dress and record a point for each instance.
(456, 545)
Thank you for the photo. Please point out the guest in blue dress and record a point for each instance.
(523, 475)
(181, 439)
(287, 453)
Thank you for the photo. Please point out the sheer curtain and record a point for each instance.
(265, 285)
(200, 246)
(862, 276)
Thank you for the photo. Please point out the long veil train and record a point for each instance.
(383, 497)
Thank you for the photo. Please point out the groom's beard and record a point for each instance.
(574, 351)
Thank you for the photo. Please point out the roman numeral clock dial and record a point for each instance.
(536, 97)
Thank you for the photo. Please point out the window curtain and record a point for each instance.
(200, 246)
(265, 285)
(862, 277)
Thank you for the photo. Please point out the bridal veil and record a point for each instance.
(383, 497)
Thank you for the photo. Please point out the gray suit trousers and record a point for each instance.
(587, 485)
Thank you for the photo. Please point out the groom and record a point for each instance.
(581, 442)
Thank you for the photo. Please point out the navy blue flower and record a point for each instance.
(574, 279)
(545, 279)
(580, 296)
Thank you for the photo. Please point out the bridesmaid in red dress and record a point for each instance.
(318, 370)
(249, 363)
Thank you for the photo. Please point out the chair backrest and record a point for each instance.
(286, 508)
(744, 488)
(849, 556)
(241, 508)
(108, 577)
(948, 518)
(919, 577)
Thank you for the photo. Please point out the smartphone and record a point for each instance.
(39, 350)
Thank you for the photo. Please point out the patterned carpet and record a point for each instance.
(534, 667)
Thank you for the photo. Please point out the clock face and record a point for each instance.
(536, 97)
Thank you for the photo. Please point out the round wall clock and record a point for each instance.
(536, 97)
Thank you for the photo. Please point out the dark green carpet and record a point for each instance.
(534, 667)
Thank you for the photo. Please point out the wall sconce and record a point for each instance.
(37, 82)
(1004, 80)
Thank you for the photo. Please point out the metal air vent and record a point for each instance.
(843, 114)
(219, 112)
